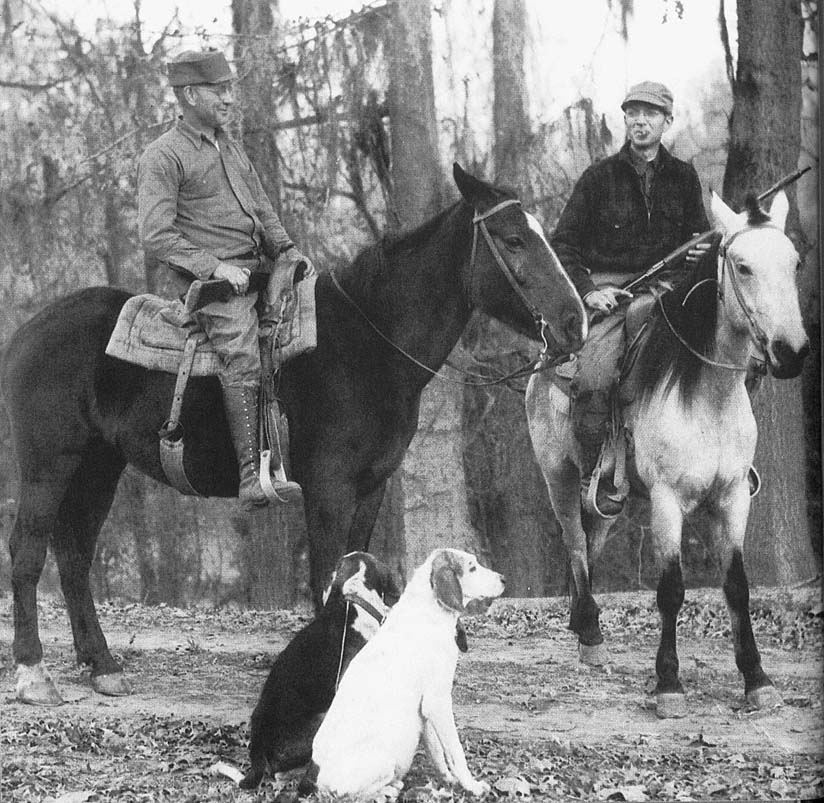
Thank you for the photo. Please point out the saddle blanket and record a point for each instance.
(151, 331)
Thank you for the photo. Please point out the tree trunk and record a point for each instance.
(431, 491)
(279, 529)
(507, 498)
(765, 133)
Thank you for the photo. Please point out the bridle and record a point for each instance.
(541, 362)
(479, 224)
(725, 267)
(757, 334)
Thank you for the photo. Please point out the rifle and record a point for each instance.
(682, 250)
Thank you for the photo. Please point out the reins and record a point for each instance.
(541, 362)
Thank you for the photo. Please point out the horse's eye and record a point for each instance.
(513, 242)
(472, 569)
(744, 270)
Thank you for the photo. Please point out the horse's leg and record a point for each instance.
(330, 507)
(564, 484)
(550, 433)
(41, 493)
(81, 516)
(363, 522)
(729, 522)
(667, 521)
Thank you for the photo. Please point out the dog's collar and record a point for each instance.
(379, 616)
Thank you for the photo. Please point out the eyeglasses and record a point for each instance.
(647, 112)
(217, 89)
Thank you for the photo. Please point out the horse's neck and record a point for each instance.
(732, 348)
(420, 298)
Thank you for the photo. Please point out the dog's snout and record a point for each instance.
(502, 579)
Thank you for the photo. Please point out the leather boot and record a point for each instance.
(241, 405)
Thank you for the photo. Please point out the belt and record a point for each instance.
(253, 254)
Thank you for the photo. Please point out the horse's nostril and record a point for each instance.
(785, 353)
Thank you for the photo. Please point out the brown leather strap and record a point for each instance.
(171, 435)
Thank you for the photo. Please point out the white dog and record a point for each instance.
(399, 688)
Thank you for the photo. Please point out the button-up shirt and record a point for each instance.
(200, 201)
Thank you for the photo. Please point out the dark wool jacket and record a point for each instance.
(605, 226)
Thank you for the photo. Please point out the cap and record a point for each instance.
(195, 67)
(650, 92)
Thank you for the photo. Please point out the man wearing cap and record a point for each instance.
(203, 214)
(625, 213)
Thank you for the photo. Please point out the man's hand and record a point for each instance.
(605, 299)
(237, 277)
(696, 253)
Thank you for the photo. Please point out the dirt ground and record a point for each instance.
(535, 722)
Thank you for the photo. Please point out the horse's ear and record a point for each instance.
(779, 208)
(474, 191)
(723, 217)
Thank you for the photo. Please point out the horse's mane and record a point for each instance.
(369, 265)
(692, 309)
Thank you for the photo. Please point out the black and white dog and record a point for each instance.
(304, 677)
(398, 689)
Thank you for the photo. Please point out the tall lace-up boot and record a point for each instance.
(241, 405)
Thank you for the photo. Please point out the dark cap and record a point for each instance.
(650, 92)
(195, 67)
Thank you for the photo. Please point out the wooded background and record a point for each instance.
(352, 124)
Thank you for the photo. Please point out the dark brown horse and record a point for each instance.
(78, 417)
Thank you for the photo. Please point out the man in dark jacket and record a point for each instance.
(626, 212)
(203, 213)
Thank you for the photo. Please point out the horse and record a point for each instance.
(691, 433)
(385, 325)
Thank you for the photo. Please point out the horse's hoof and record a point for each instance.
(671, 705)
(764, 697)
(35, 686)
(593, 654)
(112, 685)
(42, 693)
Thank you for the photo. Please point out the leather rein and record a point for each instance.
(539, 363)
(757, 334)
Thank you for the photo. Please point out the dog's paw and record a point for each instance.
(476, 787)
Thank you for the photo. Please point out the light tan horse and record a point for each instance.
(692, 431)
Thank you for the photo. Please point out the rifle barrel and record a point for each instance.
(682, 249)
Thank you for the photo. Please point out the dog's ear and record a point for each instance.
(445, 583)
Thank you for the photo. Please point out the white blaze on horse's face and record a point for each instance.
(765, 262)
(533, 223)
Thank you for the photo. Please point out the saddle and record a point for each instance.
(163, 335)
(599, 383)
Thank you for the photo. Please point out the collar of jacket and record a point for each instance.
(662, 159)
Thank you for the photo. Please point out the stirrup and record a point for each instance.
(589, 489)
(589, 493)
(754, 481)
(274, 484)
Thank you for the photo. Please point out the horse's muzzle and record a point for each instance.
(785, 361)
